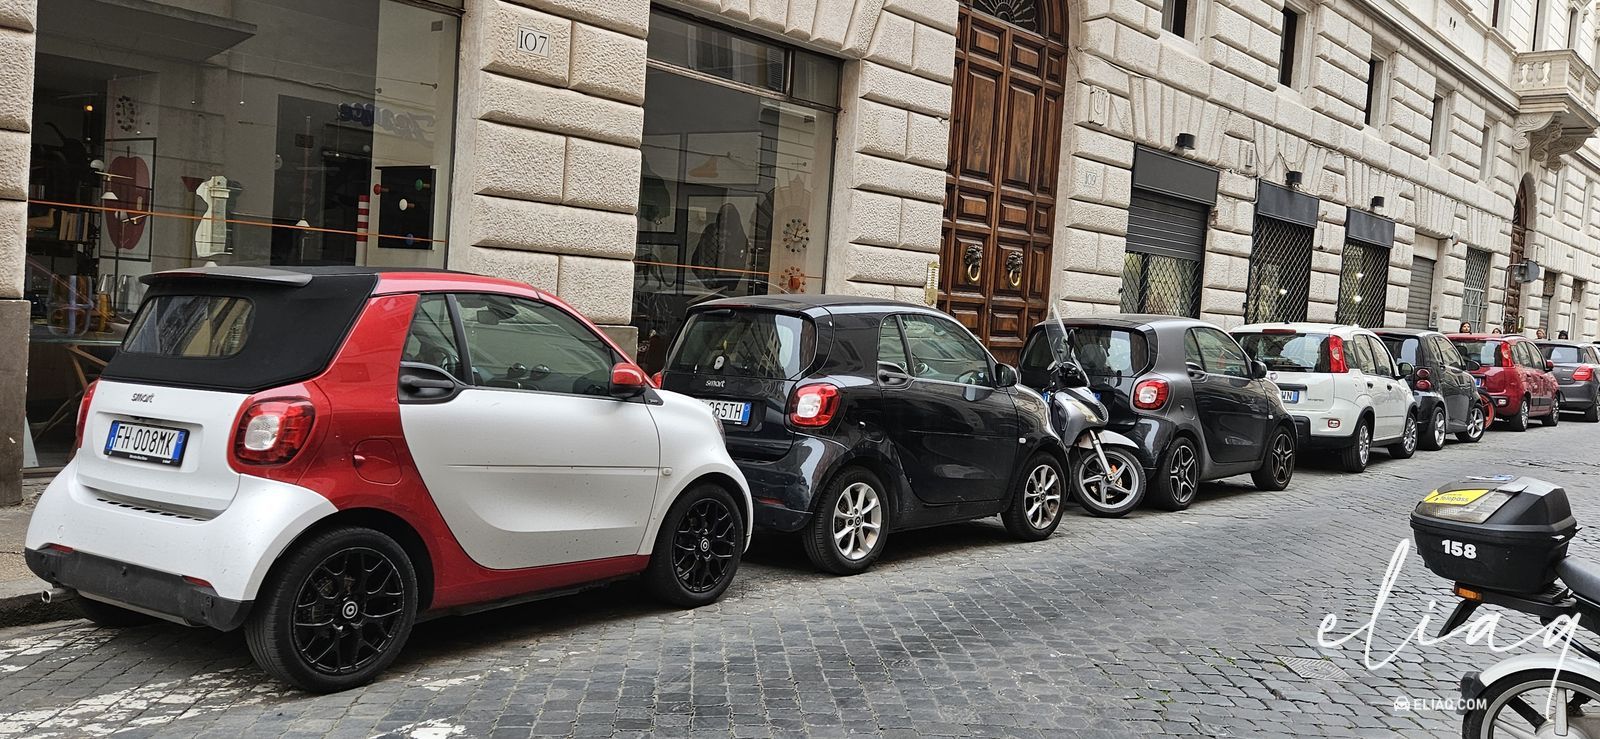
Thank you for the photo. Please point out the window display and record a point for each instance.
(738, 148)
(171, 134)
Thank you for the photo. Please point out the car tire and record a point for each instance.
(1521, 421)
(108, 616)
(1592, 413)
(1354, 458)
(1037, 500)
(1098, 502)
(313, 573)
(698, 548)
(1477, 424)
(1278, 470)
(1406, 448)
(842, 539)
(1177, 477)
(1554, 419)
(1478, 723)
(1433, 437)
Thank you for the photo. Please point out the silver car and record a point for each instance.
(1577, 370)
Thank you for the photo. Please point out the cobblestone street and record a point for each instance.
(1193, 623)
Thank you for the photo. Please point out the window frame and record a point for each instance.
(1177, 18)
(468, 365)
(952, 329)
(1376, 113)
(1244, 356)
(463, 372)
(1382, 359)
(1290, 39)
(1439, 125)
(899, 331)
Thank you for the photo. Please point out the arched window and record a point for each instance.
(1021, 13)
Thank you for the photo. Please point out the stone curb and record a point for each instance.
(21, 603)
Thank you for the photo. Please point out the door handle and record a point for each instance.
(1369, 384)
(415, 384)
(893, 379)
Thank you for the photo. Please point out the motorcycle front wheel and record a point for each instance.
(1515, 706)
(1105, 495)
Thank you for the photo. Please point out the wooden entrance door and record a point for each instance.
(1519, 251)
(1005, 148)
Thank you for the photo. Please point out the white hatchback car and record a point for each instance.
(1341, 386)
(322, 456)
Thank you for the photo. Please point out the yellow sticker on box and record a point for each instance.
(1454, 497)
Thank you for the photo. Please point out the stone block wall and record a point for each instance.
(1136, 84)
(17, 25)
(548, 151)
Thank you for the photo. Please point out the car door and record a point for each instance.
(956, 434)
(1455, 383)
(1363, 374)
(1392, 395)
(1530, 364)
(530, 461)
(1234, 410)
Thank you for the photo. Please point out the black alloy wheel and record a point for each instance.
(348, 611)
(698, 547)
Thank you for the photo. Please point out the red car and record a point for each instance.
(1513, 371)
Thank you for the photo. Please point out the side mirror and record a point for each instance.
(1005, 376)
(1406, 370)
(628, 381)
(1258, 369)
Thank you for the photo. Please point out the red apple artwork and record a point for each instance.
(128, 179)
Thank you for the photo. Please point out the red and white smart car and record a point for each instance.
(322, 455)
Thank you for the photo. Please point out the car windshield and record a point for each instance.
(1484, 351)
(744, 343)
(1561, 354)
(1286, 352)
(1404, 348)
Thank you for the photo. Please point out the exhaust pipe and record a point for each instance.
(52, 595)
(44, 597)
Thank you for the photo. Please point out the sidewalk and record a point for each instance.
(19, 589)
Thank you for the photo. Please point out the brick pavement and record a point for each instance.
(1161, 623)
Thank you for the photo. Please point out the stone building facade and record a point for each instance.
(1381, 161)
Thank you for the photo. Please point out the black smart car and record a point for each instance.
(1576, 368)
(1199, 408)
(853, 418)
(1447, 394)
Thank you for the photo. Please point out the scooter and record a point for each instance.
(1503, 542)
(1103, 472)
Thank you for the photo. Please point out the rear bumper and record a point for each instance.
(233, 550)
(1308, 440)
(138, 588)
(784, 489)
(1578, 396)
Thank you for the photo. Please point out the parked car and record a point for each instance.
(1341, 386)
(855, 418)
(1447, 395)
(1515, 374)
(1576, 369)
(1185, 392)
(322, 455)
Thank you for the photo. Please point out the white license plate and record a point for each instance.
(143, 443)
(1290, 396)
(730, 411)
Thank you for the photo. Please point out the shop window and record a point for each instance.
(738, 151)
(1363, 284)
(1280, 271)
(169, 133)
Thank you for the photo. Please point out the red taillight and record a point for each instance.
(1505, 356)
(83, 413)
(1151, 394)
(64, 549)
(1424, 379)
(813, 405)
(196, 581)
(1584, 372)
(273, 431)
(1336, 363)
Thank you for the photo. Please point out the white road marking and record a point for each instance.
(157, 704)
(430, 729)
(86, 637)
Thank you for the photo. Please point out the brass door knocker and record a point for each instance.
(1014, 268)
(973, 259)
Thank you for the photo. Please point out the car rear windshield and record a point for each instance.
(1486, 352)
(744, 343)
(238, 335)
(1103, 352)
(1404, 348)
(1297, 352)
(191, 326)
(1561, 354)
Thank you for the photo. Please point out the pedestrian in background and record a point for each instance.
(1540, 334)
(1561, 335)
(1466, 327)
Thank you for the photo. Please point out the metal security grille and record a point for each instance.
(1280, 272)
(1363, 284)
(1419, 301)
(1475, 290)
(1152, 283)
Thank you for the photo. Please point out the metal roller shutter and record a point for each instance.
(1419, 302)
(1166, 226)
